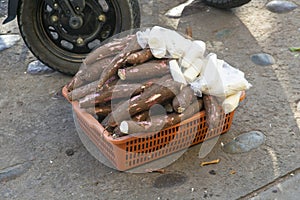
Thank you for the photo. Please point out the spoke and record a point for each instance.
(84, 48)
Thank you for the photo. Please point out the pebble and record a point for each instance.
(212, 172)
(245, 142)
(70, 152)
(7, 41)
(277, 6)
(275, 191)
(262, 59)
(37, 67)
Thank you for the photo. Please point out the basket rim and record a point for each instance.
(93, 123)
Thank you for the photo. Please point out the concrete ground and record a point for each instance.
(37, 130)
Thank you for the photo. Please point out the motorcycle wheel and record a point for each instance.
(226, 4)
(54, 40)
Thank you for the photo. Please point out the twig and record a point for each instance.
(210, 162)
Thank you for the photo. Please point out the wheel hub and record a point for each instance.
(75, 22)
(78, 33)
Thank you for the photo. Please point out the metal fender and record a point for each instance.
(12, 10)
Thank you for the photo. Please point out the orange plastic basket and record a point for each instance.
(132, 151)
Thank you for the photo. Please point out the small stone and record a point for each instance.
(262, 59)
(70, 152)
(245, 142)
(275, 191)
(278, 6)
(36, 67)
(20, 103)
(212, 172)
(7, 41)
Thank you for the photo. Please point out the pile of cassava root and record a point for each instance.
(120, 82)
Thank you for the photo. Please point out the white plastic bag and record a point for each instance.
(220, 79)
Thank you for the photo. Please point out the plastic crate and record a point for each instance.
(132, 151)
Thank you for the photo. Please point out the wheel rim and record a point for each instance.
(56, 31)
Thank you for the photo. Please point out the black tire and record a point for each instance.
(48, 46)
(226, 4)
